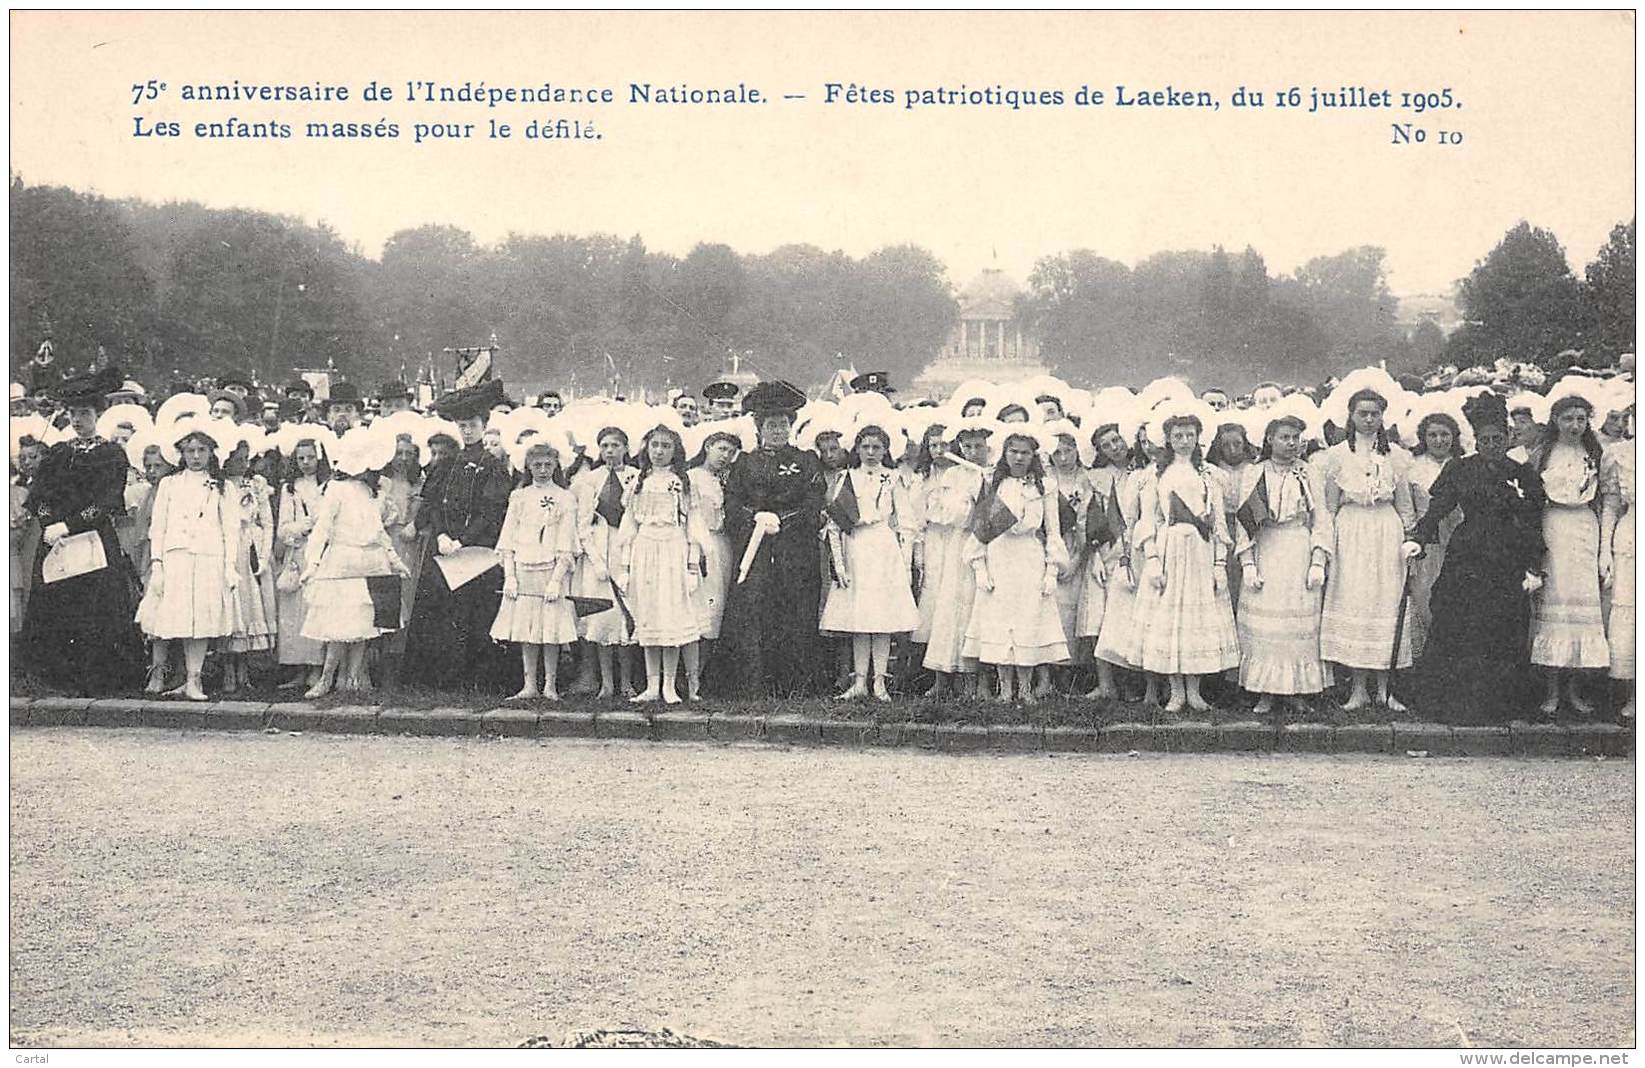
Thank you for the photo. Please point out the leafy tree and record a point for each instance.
(1520, 302)
(76, 277)
(1609, 295)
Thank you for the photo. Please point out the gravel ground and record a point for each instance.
(178, 889)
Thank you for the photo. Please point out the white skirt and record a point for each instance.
(1188, 629)
(936, 560)
(1279, 624)
(1567, 627)
(1619, 623)
(709, 597)
(1363, 592)
(878, 600)
(1119, 639)
(659, 591)
(191, 600)
(338, 610)
(530, 616)
(290, 644)
(601, 628)
(951, 601)
(1015, 623)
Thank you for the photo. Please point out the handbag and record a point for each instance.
(291, 576)
(73, 556)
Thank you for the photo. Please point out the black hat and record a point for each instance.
(472, 401)
(720, 391)
(393, 389)
(344, 393)
(299, 385)
(873, 382)
(92, 388)
(770, 398)
(1485, 409)
(235, 378)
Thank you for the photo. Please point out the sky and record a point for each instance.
(1546, 120)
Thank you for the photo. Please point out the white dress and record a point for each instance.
(298, 505)
(1016, 622)
(948, 508)
(253, 631)
(878, 598)
(1073, 492)
(1119, 641)
(1567, 625)
(933, 539)
(1187, 628)
(1369, 495)
(193, 538)
(591, 578)
(348, 546)
(1616, 478)
(708, 507)
(539, 542)
(653, 548)
(1278, 624)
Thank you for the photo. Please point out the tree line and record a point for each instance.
(178, 286)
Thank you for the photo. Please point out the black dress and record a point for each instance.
(769, 636)
(448, 644)
(80, 633)
(1475, 667)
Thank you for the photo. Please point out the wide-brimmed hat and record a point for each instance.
(774, 398)
(92, 388)
(472, 401)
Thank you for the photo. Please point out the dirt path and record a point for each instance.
(171, 889)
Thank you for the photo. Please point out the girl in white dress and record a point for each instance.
(254, 557)
(948, 508)
(1105, 572)
(1368, 492)
(1439, 438)
(538, 544)
(1119, 642)
(1014, 622)
(708, 472)
(1183, 610)
(658, 552)
(348, 546)
(194, 537)
(931, 464)
(1616, 539)
(1567, 626)
(602, 493)
(1282, 539)
(307, 472)
(876, 600)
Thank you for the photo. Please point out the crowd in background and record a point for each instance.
(1454, 542)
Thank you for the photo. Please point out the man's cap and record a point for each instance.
(721, 391)
(873, 382)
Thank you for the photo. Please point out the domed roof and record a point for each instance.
(990, 291)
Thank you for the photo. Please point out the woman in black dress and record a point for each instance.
(1475, 667)
(79, 633)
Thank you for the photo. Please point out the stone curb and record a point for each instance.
(1519, 739)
